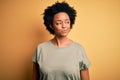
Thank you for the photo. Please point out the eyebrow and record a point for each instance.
(65, 20)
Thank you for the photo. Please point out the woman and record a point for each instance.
(60, 58)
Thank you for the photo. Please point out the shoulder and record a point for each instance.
(42, 45)
(78, 45)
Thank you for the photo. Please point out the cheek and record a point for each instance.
(57, 27)
(68, 26)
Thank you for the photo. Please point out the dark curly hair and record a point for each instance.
(50, 11)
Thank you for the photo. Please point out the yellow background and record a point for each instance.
(97, 28)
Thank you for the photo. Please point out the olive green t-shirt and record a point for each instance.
(60, 63)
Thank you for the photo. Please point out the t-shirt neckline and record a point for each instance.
(51, 44)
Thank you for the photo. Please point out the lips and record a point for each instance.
(64, 31)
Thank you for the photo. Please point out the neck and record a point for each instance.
(61, 41)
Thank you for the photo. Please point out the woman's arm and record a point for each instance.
(35, 71)
(84, 74)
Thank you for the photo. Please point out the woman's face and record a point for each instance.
(61, 24)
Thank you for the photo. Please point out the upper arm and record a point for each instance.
(84, 74)
(35, 71)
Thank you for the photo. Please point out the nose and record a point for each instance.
(63, 25)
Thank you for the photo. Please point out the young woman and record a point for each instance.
(60, 58)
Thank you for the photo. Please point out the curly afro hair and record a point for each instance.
(50, 11)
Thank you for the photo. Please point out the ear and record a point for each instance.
(51, 26)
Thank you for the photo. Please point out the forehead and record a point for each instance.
(61, 16)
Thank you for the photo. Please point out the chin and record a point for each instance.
(64, 35)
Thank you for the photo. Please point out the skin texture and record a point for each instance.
(61, 26)
(35, 71)
(85, 74)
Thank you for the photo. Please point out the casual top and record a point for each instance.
(60, 63)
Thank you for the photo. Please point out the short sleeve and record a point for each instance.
(34, 58)
(84, 62)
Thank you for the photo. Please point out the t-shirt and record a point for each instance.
(60, 63)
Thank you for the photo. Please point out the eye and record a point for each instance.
(67, 22)
(58, 23)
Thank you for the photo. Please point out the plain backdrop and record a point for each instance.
(97, 28)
